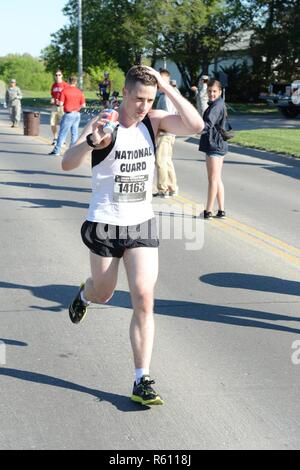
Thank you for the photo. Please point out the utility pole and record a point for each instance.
(80, 55)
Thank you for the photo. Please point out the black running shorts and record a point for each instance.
(112, 240)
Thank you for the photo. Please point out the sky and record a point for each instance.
(26, 25)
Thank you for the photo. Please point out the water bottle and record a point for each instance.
(112, 115)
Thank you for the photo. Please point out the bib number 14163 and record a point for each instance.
(130, 188)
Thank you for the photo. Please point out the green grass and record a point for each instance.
(274, 140)
(35, 94)
(41, 99)
(30, 94)
(251, 108)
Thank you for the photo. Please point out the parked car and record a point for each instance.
(289, 104)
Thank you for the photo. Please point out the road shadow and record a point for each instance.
(264, 155)
(47, 203)
(193, 140)
(288, 166)
(44, 173)
(226, 161)
(62, 295)
(39, 144)
(255, 153)
(121, 402)
(291, 171)
(45, 186)
(14, 152)
(252, 282)
(11, 134)
(13, 342)
(56, 293)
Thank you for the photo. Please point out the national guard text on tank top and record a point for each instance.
(122, 178)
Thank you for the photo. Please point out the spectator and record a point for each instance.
(72, 99)
(105, 89)
(13, 98)
(201, 94)
(212, 143)
(166, 176)
(57, 111)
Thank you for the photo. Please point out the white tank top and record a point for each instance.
(122, 177)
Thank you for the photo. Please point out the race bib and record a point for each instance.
(130, 188)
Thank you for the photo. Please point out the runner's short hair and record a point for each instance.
(138, 73)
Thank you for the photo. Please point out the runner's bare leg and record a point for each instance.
(141, 265)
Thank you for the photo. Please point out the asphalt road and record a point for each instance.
(227, 311)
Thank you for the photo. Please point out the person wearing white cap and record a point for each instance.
(13, 98)
(201, 94)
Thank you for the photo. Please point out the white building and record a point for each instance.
(236, 50)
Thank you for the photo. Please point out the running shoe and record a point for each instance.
(78, 309)
(162, 194)
(173, 193)
(221, 215)
(207, 215)
(144, 394)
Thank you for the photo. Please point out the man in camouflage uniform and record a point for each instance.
(13, 98)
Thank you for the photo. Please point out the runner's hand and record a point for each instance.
(161, 83)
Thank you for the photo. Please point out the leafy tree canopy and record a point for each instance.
(29, 72)
(192, 33)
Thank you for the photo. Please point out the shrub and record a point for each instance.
(29, 72)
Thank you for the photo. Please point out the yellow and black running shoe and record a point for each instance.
(78, 309)
(143, 392)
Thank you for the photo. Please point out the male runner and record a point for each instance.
(120, 221)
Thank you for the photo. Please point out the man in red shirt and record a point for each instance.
(72, 99)
(56, 110)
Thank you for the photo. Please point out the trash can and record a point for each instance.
(31, 122)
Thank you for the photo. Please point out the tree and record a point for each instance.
(244, 87)
(112, 30)
(29, 72)
(195, 31)
(189, 32)
(276, 40)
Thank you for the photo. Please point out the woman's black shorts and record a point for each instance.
(112, 240)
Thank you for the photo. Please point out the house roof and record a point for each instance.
(238, 41)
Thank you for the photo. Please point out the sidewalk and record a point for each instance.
(12, 138)
(45, 134)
